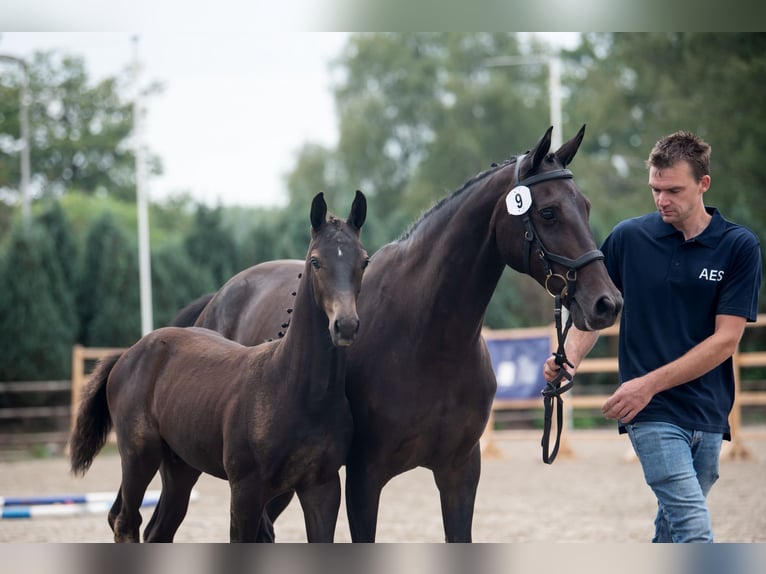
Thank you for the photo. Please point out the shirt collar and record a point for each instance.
(709, 237)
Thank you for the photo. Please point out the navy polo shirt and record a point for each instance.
(672, 290)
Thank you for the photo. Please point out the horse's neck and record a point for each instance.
(455, 258)
(307, 351)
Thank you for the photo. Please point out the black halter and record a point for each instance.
(553, 389)
(531, 237)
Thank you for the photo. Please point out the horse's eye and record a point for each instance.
(365, 263)
(315, 263)
(548, 213)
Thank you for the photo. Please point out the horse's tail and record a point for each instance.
(93, 419)
(187, 316)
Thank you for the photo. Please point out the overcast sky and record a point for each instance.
(235, 107)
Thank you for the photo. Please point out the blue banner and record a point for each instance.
(518, 365)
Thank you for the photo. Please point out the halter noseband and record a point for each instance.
(553, 389)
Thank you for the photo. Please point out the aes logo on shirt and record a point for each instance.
(711, 274)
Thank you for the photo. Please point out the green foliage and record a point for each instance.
(108, 296)
(53, 219)
(79, 131)
(176, 281)
(36, 328)
(210, 245)
(635, 88)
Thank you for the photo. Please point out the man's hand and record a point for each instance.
(551, 369)
(628, 400)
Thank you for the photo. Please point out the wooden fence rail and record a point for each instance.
(82, 355)
(24, 439)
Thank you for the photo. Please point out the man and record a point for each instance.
(690, 281)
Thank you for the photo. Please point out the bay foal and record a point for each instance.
(269, 419)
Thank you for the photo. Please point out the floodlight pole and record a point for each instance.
(144, 259)
(554, 86)
(25, 141)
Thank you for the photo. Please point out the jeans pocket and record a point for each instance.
(647, 444)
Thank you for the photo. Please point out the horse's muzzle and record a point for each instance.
(344, 331)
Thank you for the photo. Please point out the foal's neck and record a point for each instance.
(306, 350)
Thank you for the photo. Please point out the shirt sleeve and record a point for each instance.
(742, 281)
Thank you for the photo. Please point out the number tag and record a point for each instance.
(518, 200)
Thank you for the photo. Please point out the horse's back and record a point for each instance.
(170, 356)
(255, 305)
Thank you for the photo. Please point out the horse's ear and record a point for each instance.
(318, 211)
(358, 212)
(568, 150)
(540, 150)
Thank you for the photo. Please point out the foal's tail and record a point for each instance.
(93, 419)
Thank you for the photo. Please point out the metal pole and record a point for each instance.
(25, 141)
(554, 86)
(554, 93)
(144, 260)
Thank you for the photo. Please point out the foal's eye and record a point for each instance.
(548, 213)
(315, 263)
(365, 263)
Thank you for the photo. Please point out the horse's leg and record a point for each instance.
(362, 501)
(274, 508)
(320, 503)
(140, 462)
(265, 529)
(115, 510)
(457, 491)
(178, 479)
(247, 508)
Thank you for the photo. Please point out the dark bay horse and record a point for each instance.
(419, 378)
(270, 419)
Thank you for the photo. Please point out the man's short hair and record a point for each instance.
(681, 146)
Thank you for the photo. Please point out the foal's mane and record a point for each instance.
(448, 200)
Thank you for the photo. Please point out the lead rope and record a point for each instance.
(554, 389)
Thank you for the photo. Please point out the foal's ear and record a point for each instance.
(358, 212)
(318, 211)
(568, 150)
(539, 152)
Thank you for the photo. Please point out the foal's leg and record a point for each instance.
(320, 503)
(178, 479)
(457, 490)
(140, 461)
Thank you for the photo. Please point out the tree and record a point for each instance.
(59, 229)
(210, 245)
(176, 281)
(635, 88)
(79, 131)
(108, 293)
(36, 328)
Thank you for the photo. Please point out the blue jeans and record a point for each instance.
(681, 467)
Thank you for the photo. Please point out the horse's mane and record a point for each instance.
(449, 198)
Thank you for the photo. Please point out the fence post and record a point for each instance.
(487, 444)
(737, 448)
(78, 380)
